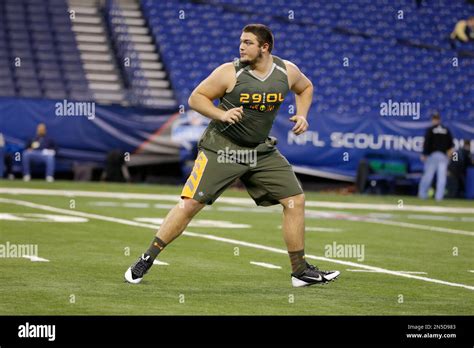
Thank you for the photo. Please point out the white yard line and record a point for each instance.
(234, 200)
(319, 229)
(16, 191)
(160, 263)
(420, 227)
(368, 271)
(232, 241)
(264, 264)
(35, 258)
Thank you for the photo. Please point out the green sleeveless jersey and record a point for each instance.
(260, 97)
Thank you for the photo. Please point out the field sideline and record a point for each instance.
(413, 258)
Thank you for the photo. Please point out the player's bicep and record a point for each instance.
(297, 80)
(301, 84)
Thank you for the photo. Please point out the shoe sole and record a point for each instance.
(129, 278)
(298, 283)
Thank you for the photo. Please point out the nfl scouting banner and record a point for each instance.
(334, 144)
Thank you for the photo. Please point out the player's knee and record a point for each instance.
(191, 205)
(294, 202)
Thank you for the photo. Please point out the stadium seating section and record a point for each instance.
(357, 53)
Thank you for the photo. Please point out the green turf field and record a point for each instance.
(209, 269)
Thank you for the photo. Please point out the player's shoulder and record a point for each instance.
(290, 65)
(226, 66)
(225, 69)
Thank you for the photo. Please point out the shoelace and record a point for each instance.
(312, 267)
(140, 267)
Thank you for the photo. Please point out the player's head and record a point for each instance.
(255, 42)
(470, 21)
(436, 118)
(41, 129)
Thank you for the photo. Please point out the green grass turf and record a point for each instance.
(87, 260)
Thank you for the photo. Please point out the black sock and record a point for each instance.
(155, 248)
(298, 262)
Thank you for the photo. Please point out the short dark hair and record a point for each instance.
(436, 116)
(262, 32)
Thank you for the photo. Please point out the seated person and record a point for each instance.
(39, 149)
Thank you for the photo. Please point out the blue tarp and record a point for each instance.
(80, 134)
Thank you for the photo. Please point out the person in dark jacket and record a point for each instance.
(39, 149)
(437, 150)
(457, 169)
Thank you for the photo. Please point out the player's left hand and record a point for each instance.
(301, 125)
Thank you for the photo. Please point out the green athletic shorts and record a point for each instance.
(265, 172)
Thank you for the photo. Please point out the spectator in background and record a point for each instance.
(116, 169)
(437, 149)
(458, 169)
(40, 149)
(463, 31)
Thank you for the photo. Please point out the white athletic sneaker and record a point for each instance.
(135, 272)
(313, 275)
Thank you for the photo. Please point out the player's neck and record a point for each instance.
(263, 66)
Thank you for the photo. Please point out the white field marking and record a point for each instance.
(234, 200)
(41, 218)
(105, 204)
(432, 217)
(256, 209)
(368, 271)
(390, 207)
(264, 264)
(233, 242)
(35, 258)
(163, 206)
(310, 213)
(472, 270)
(381, 215)
(320, 229)
(198, 223)
(160, 263)
(348, 217)
(422, 217)
(136, 205)
(246, 201)
(420, 227)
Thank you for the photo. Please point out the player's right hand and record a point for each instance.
(234, 115)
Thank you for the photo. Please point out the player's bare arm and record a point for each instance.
(303, 89)
(222, 79)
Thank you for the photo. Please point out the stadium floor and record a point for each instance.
(412, 257)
